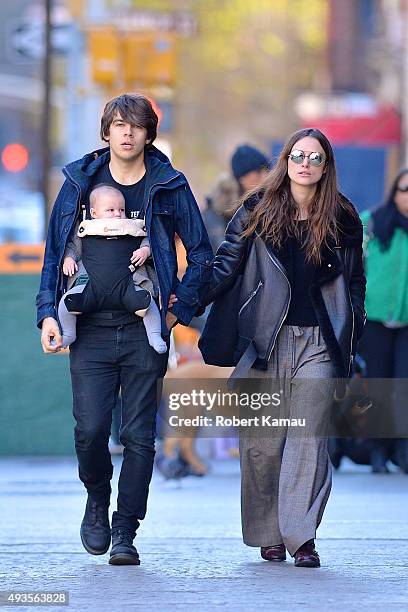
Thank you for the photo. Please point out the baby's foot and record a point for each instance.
(66, 341)
(157, 342)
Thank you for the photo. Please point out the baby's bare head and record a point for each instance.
(106, 202)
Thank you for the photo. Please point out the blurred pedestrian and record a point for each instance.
(294, 252)
(384, 345)
(221, 203)
(111, 351)
(249, 167)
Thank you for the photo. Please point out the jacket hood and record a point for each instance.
(224, 196)
(158, 167)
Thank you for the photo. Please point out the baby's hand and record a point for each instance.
(69, 267)
(140, 255)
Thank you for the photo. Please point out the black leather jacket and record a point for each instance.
(337, 293)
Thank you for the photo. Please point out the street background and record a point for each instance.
(220, 73)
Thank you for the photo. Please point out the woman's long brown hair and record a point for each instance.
(274, 216)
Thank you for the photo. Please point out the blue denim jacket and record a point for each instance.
(170, 208)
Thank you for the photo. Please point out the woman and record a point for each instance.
(294, 249)
(386, 262)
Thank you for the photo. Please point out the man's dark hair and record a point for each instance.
(135, 109)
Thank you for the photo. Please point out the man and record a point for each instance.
(111, 350)
(249, 167)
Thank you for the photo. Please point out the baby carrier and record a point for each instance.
(107, 246)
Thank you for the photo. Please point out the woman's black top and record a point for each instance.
(300, 275)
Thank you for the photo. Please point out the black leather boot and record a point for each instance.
(123, 552)
(95, 528)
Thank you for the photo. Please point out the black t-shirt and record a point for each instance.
(135, 208)
(134, 194)
(301, 274)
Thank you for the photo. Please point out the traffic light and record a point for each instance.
(14, 157)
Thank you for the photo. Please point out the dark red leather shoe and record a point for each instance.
(274, 553)
(307, 555)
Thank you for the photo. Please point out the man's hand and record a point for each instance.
(69, 267)
(140, 255)
(171, 320)
(51, 340)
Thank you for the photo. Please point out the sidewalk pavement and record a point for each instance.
(192, 555)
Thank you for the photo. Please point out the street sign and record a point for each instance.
(149, 58)
(142, 58)
(16, 258)
(26, 40)
(182, 23)
(104, 50)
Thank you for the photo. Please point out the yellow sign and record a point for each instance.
(104, 50)
(149, 58)
(132, 58)
(18, 258)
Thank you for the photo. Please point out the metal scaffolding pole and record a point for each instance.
(46, 112)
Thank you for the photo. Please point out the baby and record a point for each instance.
(97, 254)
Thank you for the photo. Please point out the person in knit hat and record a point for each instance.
(249, 167)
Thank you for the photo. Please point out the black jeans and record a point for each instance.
(104, 360)
(385, 352)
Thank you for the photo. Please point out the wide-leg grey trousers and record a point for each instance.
(286, 471)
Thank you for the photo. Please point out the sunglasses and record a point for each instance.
(403, 189)
(298, 157)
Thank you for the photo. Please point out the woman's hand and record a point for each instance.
(171, 318)
(172, 300)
